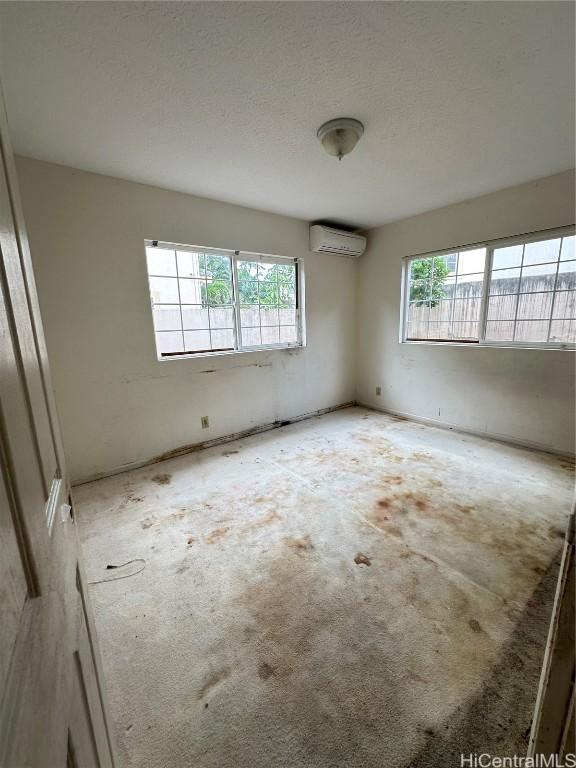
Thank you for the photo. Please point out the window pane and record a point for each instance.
(217, 292)
(466, 310)
(247, 270)
(445, 291)
(534, 306)
(167, 317)
(286, 295)
(439, 331)
(221, 317)
(194, 317)
(420, 290)
(445, 288)
(420, 269)
(160, 261)
(430, 278)
(248, 292)
(286, 273)
(507, 257)
(218, 267)
(527, 330)
(268, 272)
(269, 316)
(567, 251)
(544, 251)
(468, 286)
(190, 264)
(287, 316)
(445, 265)
(251, 337)
(563, 331)
(465, 331)
(440, 310)
(502, 330)
(566, 276)
(416, 331)
(471, 261)
(564, 304)
(288, 334)
(540, 278)
(418, 314)
(502, 308)
(268, 293)
(169, 342)
(504, 281)
(250, 316)
(222, 339)
(192, 291)
(271, 335)
(197, 341)
(164, 290)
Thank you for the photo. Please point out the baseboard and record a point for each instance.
(526, 444)
(192, 448)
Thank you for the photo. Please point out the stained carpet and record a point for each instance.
(353, 590)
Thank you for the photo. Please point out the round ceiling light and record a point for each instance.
(340, 136)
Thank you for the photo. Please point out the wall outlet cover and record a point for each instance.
(205, 422)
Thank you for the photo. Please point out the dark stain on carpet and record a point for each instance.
(299, 545)
(397, 512)
(265, 670)
(261, 522)
(217, 534)
(497, 719)
(162, 479)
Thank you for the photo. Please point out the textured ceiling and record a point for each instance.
(223, 99)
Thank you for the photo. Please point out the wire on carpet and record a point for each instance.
(123, 575)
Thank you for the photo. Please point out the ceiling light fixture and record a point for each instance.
(340, 136)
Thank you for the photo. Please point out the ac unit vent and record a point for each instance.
(329, 240)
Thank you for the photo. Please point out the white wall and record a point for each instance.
(518, 394)
(118, 404)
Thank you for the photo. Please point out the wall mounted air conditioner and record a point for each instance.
(328, 240)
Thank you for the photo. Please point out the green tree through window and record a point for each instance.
(427, 278)
(218, 289)
(272, 285)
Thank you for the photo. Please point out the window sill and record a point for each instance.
(245, 351)
(493, 345)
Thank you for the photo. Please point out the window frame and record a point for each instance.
(235, 256)
(490, 246)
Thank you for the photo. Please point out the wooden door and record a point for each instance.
(52, 710)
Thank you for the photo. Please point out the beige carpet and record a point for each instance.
(353, 590)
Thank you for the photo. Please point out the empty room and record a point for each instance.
(287, 384)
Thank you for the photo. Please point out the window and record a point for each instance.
(519, 292)
(207, 301)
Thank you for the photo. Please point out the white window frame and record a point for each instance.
(235, 257)
(490, 246)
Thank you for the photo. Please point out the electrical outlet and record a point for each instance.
(204, 421)
(378, 391)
